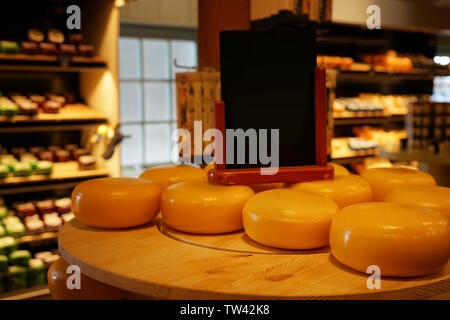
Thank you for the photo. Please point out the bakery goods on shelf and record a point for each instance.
(383, 180)
(289, 219)
(116, 202)
(200, 207)
(388, 140)
(402, 241)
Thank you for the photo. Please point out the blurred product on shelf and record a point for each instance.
(389, 62)
(87, 162)
(388, 140)
(372, 105)
(428, 126)
(369, 163)
(54, 44)
(343, 63)
(31, 104)
(346, 147)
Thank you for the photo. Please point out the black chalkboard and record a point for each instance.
(267, 82)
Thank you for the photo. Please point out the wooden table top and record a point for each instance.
(158, 262)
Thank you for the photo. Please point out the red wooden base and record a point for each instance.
(284, 174)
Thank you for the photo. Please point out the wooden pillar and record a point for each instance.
(213, 17)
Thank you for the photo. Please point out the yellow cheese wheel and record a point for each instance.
(403, 241)
(116, 202)
(289, 219)
(200, 207)
(339, 170)
(343, 190)
(433, 197)
(168, 175)
(383, 180)
(260, 187)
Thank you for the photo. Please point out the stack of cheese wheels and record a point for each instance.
(344, 190)
(403, 241)
(383, 180)
(432, 197)
(90, 289)
(260, 187)
(289, 219)
(168, 175)
(200, 207)
(116, 202)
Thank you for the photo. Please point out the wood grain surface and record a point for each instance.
(157, 262)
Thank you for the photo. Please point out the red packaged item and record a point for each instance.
(62, 156)
(47, 156)
(57, 98)
(52, 220)
(48, 48)
(25, 209)
(28, 108)
(75, 38)
(29, 47)
(86, 163)
(45, 206)
(51, 107)
(36, 151)
(68, 49)
(63, 205)
(37, 98)
(34, 224)
(85, 50)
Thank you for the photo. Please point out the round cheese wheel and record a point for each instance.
(90, 289)
(432, 197)
(289, 219)
(343, 190)
(403, 241)
(260, 187)
(168, 175)
(200, 207)
(339, 170)
(116, 202)
(383, 180)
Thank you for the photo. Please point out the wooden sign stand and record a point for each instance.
(319, 171)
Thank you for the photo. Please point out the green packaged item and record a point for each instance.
(7, 245)
(9, 47)
(3, 212)
(3, 263)
(44, 167)
(15, 229)
(16, 278)
(2, 231)
(9, 163)
(36, 273)
(20, 258)
(3, 171)
(22, 169)
(11, 220)
(8, 108)
(31, 161)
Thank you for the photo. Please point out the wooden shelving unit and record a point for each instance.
(62, 173)
(345, 120)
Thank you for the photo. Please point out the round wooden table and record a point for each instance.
(157, 262)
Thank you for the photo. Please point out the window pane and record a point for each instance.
(156, 59)
(157, 101)
(157, 143)
(130, 101)
(185, 51)
(174, 101)
(129, 58)
(131, 148)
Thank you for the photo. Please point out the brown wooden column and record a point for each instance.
(213, 17)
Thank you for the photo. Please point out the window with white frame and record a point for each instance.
(148, 96)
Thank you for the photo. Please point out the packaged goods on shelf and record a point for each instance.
(389, 62)
(388, 140)
(334, 62)
(428, 126)
(347, 147)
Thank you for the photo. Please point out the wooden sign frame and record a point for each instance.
(319, 171)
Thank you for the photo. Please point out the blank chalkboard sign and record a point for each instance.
(268, 82)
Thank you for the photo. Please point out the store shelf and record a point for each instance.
(38, 292)
(350, 160)
(345, 120)
(65, 174)
(47, 63)
(71, 117)
(34, 238)
(369, 73)
(419, 156)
